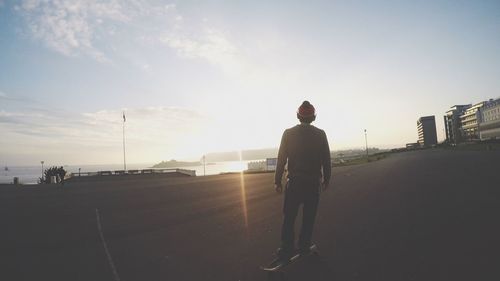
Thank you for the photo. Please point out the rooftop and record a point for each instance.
(492, 103)
(460, 107)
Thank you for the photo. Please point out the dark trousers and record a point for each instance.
(299, 192)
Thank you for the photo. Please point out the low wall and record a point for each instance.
(129, 174)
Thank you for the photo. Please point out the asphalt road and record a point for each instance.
(426, 215)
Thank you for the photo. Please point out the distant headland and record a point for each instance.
(175, 164)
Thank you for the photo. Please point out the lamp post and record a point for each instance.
(124, 160)
(366, 145)
(42, 170)
(204, 164)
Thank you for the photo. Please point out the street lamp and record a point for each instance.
(204, 172)
(42, 170)
(366, 144)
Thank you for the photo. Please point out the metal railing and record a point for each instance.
(134, 172)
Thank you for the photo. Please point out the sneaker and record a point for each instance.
(304, 251)
(284, 253)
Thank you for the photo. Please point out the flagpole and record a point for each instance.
(124, 159)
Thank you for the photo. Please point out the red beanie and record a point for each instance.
(306, 110)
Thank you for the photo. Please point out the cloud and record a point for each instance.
(9, 120)
(93, 28)
(264, 60)
(210, 44)
(15, 99)
(147, 122)
(137, 33)
(4, 113)
(70, 27)
(143, 121)
(151, 132)
(193, 40)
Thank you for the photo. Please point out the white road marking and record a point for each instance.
(108, 255)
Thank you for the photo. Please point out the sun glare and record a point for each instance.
(243, 193)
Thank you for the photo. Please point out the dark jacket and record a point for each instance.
(306, 149)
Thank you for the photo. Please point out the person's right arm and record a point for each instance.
(280, 165)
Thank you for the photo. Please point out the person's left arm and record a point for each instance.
(326, 162)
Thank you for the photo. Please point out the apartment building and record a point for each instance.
(452, 123)
(426, 127)
(489, 127)
(470, 120)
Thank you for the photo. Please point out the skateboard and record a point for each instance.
(278, 264)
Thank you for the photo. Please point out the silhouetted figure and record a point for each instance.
(305, 148)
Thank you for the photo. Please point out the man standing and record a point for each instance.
(305, 149)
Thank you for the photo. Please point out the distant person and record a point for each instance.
(305, 149)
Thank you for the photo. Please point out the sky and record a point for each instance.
(195, 77)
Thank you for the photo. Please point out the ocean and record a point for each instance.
(31, 174)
